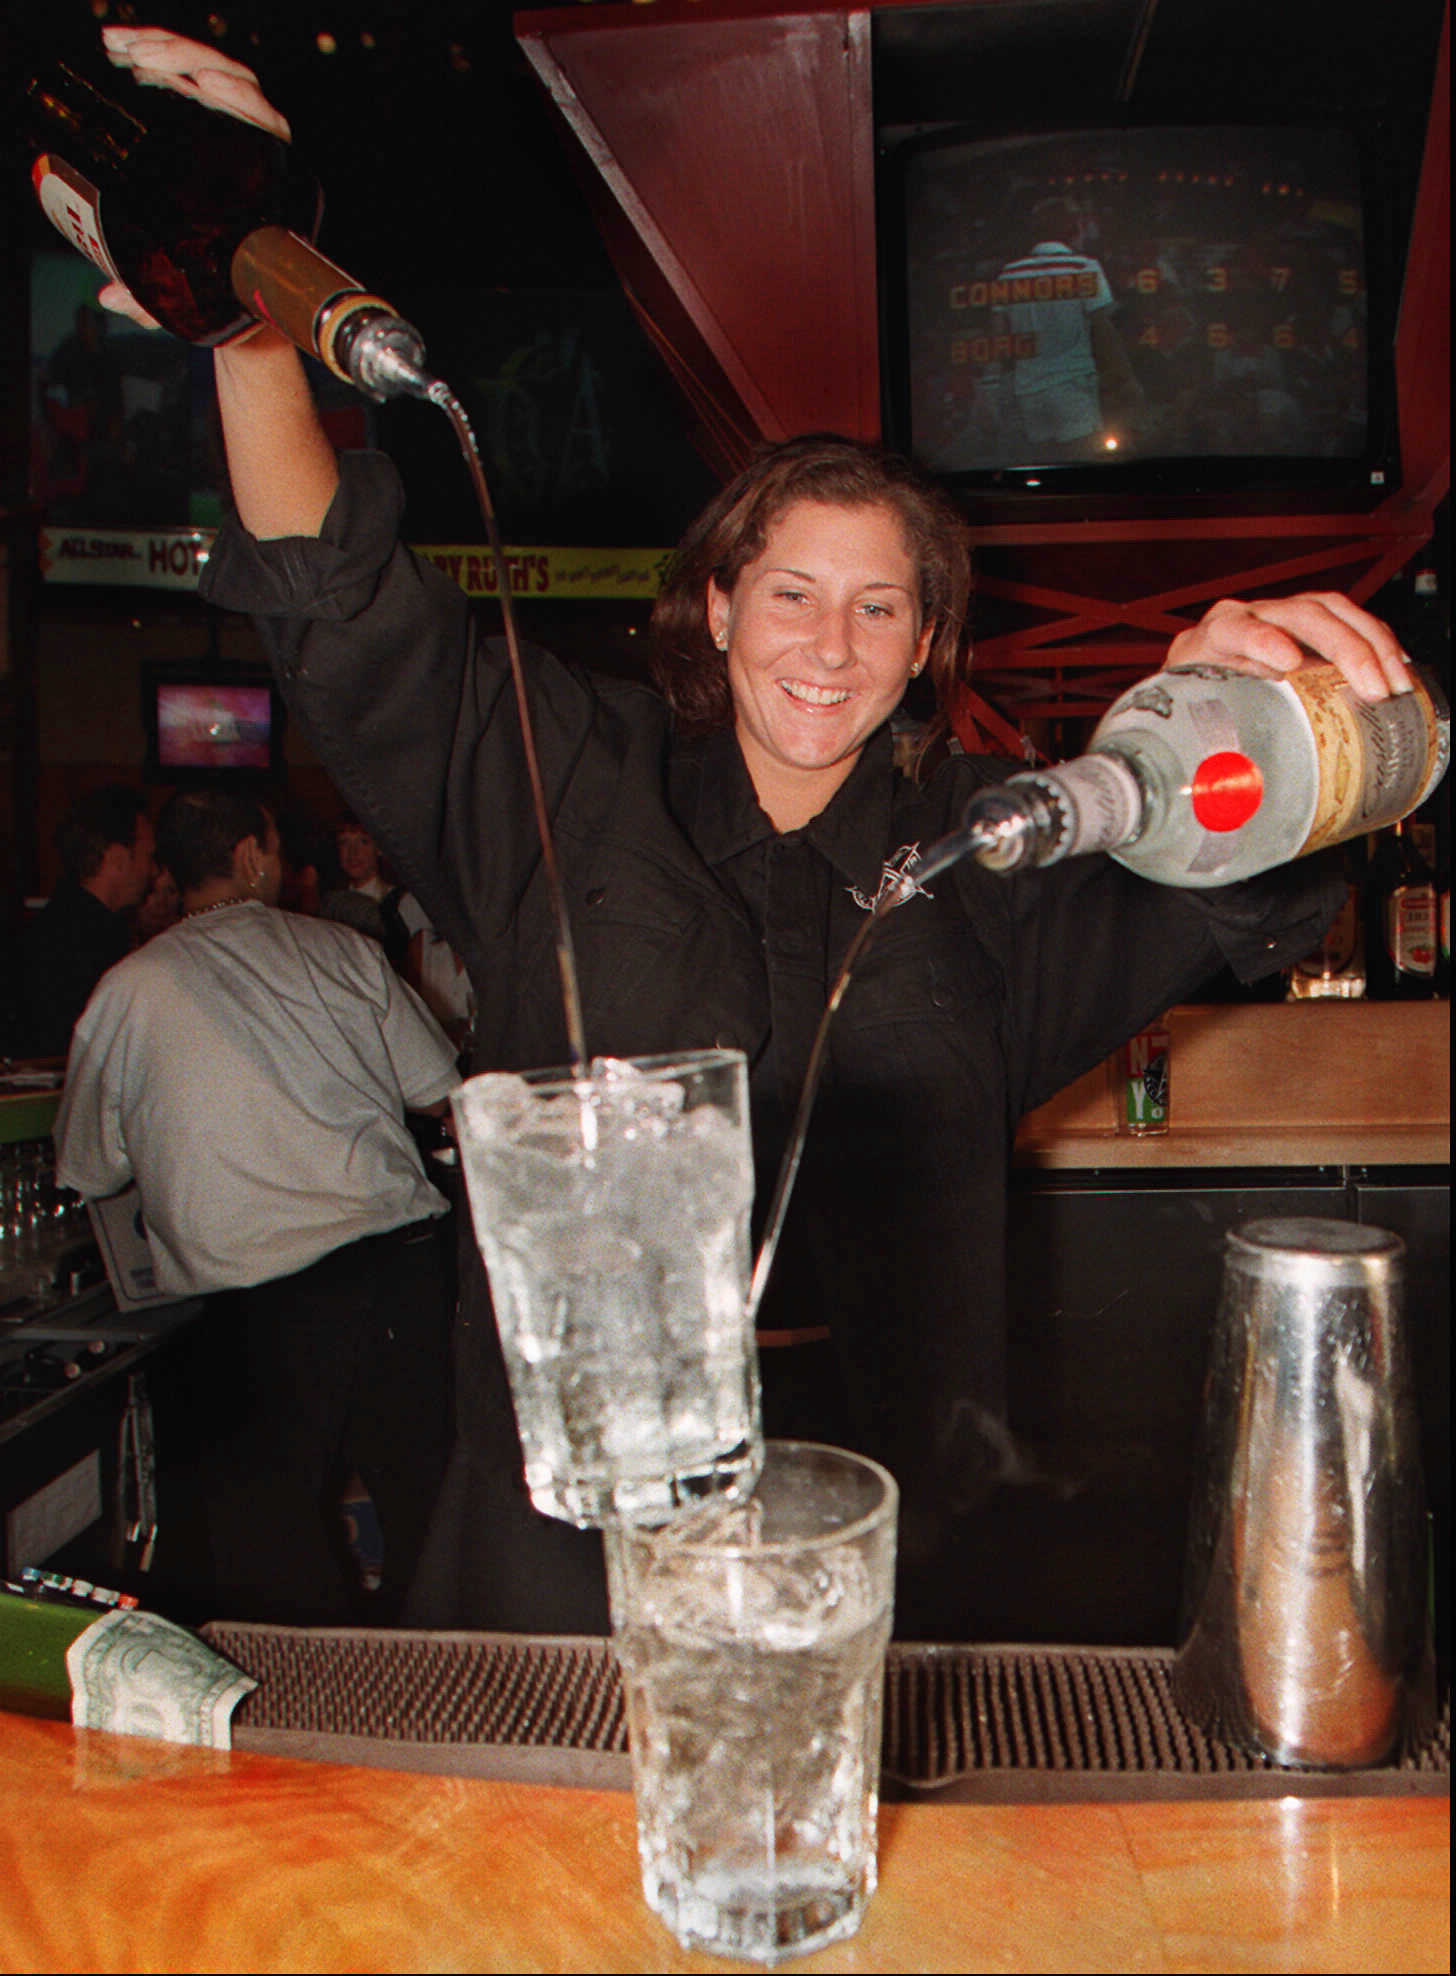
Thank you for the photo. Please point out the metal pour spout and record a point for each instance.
(997, 832)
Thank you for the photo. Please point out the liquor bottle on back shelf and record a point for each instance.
(1401, 913)
(210, 221)
(1203, 775)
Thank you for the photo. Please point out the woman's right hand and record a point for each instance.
(165, 60)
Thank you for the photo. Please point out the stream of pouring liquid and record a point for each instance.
(891, 894)
(897, 888)
(441, 395)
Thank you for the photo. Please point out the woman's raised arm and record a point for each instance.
(280, 460)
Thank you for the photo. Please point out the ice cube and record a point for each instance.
(487, 1107)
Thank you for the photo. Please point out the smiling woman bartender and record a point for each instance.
(717, 841)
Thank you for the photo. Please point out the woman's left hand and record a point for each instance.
(1276, 635)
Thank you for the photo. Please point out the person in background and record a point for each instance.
(1074, 385)
(370, 901)
(250, 1070)
(105, 845)
(161, 908)
(394, 917)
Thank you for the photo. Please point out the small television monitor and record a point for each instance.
(210, 722)
(1153, 309)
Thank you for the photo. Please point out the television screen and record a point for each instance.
(201, 724)
(1193, 299)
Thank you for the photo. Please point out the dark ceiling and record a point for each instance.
(448, 176)
(1219, 58)
(438, 149)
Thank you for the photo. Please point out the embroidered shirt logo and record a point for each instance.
(896, 885)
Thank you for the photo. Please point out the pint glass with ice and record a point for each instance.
(752, 1640)
(612, 1211)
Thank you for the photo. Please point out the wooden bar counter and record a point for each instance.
(1273, 1084)
(120, 1854)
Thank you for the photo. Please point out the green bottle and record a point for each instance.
(35, 1637)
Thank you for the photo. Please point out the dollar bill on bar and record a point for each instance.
(136, 1674)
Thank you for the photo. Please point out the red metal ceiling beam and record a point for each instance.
(1075, 615)
(736, 143)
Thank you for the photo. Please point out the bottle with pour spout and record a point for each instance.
(210, 221)
(1203, 775)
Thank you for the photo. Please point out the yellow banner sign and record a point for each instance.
(596, 575)
(172, 559)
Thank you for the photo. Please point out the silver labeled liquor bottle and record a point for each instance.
(1202, 775)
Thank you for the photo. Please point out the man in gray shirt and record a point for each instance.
(251, 1071)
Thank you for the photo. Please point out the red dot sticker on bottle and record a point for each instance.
(1227, 789)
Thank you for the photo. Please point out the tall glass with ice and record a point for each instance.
(752, 1639)
(611, 1211)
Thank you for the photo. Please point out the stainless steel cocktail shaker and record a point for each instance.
(1306, 1625)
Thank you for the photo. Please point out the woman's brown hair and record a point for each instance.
(688, 667)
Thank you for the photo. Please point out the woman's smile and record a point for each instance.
(814, 696)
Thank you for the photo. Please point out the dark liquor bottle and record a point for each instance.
(209, 221)
(1400, 919)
